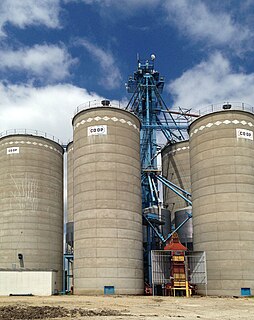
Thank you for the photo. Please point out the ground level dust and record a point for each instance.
(125, 308)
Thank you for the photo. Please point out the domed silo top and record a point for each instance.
(32, 133)
(223, 106)
(104, 104)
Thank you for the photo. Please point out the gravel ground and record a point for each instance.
(125, 308)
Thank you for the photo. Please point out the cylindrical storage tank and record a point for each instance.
(31, 204)
(222, 175)
(176, 168)
(166, 227)
(185, 233)
(69, 222)
(107, 202)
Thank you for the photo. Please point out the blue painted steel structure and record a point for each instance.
(146, 86)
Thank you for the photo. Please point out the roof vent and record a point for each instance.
(226, 106)
(105, 103)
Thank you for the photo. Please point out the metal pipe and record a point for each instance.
(154, 229)
(155, 189)
(173, 185)
(174, 190)
(165, 126)
(180, 225)
(181, 113)
(151, 188)
(163, 104)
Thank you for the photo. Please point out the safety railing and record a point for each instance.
(29, 132)
(229, 105)
(98, 104)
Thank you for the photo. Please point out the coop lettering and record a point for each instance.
(12, 150)
(244, 134)
(97, 130)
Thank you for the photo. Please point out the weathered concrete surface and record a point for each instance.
(107, 203)
(69, 150)
(222, 175)
(31, 203)
(176, 168)
(69, 218)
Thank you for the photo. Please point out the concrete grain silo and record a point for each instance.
(69, 224)
(108, 251)
(176, 168)
(31, 204)
(222, 176)
(185, 233)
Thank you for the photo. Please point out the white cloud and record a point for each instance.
(49, 62)
(111, 76)
(22, 13)
(48, 109)
(195, 19)
(211, 81)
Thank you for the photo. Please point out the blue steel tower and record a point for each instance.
(146, 86)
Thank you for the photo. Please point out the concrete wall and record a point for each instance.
(222, 176)
(69, 235)
(70, 182)
(108, 247)
(31, 203)
(176, 168)
(39, 283)
(185, 233)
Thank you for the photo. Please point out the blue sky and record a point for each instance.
(58, 54)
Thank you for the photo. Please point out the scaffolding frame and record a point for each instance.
(195, 264)
(197, 268)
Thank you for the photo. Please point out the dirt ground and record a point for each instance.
(125, 308)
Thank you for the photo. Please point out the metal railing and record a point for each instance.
(97, 104)
(228, 105)
(29, 132)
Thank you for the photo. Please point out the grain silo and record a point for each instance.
(176, 168)
(69, 222)
(185, 233)
(107, 202)
(222, 175)
(31, 204)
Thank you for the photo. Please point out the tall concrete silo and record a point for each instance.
(69, 222)
(176, 168)
(222, 175)
(108, 251)
(31, 204)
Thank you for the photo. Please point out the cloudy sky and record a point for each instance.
(58, 54)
